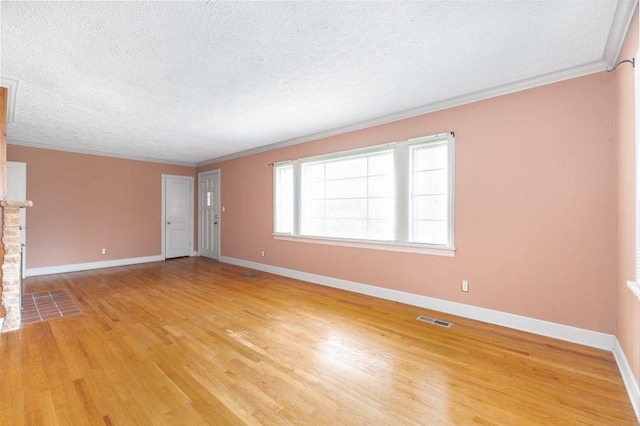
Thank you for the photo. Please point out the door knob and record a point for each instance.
(168, 223)
(215, 223)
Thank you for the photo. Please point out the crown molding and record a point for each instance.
(623, 15)
(94, 152)
(12, 87)
(619, 27)
(515, 86)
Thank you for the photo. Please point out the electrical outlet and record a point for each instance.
(464, 286)
(104, 251)
(262, 253)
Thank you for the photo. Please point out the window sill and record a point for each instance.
(377, 245)
(635, 288)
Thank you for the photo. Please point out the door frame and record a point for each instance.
(164, 212)
(23, 215)
(201, 228)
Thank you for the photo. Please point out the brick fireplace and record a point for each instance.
(11, 289)
(10, 249)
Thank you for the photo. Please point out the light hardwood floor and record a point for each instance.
(193, 341)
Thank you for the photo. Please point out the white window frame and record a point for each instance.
(402, 162)
(276, 194)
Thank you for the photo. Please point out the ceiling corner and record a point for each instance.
(621, 21)
(98, 153)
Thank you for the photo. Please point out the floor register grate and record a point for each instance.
(430, 320)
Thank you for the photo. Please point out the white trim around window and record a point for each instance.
(396, 197)
(374, 245)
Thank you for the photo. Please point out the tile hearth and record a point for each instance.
(48, 305)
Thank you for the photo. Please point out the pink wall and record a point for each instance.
(85, 202)
(536, 198)
(535, 207)
(628, 312)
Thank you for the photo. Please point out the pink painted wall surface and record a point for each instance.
(82, 203)
(535, 207)
(628, 312)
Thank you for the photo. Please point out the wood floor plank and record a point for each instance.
(194, 341)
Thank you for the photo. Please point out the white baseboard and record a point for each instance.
(531, 325)
(60, 269)
(627, 376)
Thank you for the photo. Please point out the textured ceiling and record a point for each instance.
(191, 81)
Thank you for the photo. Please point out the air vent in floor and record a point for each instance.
(249, 274)
(430, 320)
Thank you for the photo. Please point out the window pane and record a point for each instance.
(315, 172)
(313, 191)
(358, 197)
(430, 207)
(346, 188)
(429, 221)
(347, 208)
(430, 157)
(381, 208)
(346, 228)
(432, 232)
(431, 182)
(315, 208)
(285, 175)
(380, 164)
(340, 169)
(381, 186)
(383, 230)
(313, 225)
(284, 199)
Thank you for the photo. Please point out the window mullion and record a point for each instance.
(402, 191)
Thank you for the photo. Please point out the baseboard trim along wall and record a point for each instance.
(60, 269)
(567, 333)
(545, 328)
(627, 376)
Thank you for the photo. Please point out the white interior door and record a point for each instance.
(209, 214)
(17, 191)
(178, 216)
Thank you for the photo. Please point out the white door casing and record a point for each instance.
(209, 214)
(17, 191)
(177, 216)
